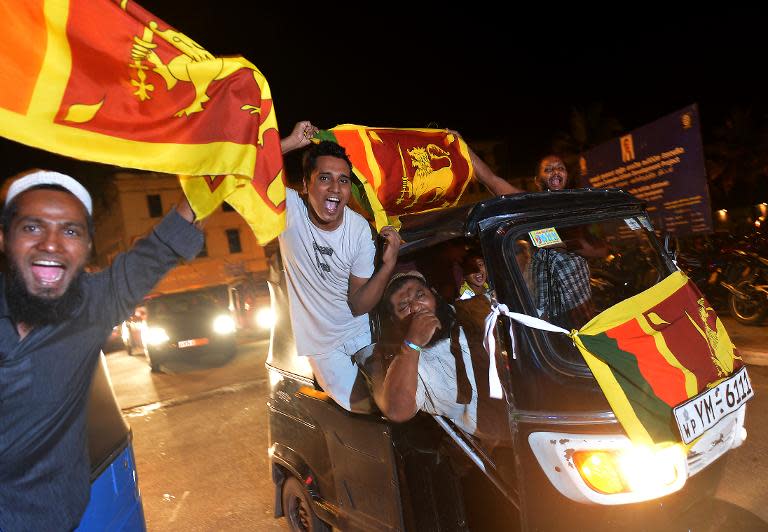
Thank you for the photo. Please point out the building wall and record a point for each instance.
(127, 218)
(108, 237)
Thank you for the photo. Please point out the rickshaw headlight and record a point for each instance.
(609, 469)
(633, 469)
(646, 469)
(600, 471)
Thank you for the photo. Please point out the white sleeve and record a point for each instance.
(421, 394)
(291, 199)
(362, 265)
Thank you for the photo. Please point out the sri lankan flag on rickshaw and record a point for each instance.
(655, 351)
(404, 171)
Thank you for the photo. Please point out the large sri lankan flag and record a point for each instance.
(107, 81)
(404, 171)
(655, 350)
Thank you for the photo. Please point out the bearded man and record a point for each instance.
(54, 318)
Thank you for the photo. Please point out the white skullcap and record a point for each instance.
(45, 177)
(410, 274)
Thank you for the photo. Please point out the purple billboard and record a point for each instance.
(661, 163)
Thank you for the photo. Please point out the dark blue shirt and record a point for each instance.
(45, 379)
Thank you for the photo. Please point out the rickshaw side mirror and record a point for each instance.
(670, 247)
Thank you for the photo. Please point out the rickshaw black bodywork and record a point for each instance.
(363, 472)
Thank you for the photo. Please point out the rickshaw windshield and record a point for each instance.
(575, 271)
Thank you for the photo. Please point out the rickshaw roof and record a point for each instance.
(467, 220)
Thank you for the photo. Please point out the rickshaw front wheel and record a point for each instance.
(297, 506)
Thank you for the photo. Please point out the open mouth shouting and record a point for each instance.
(478, 278)
(556, 182)
(48, 274)
(332, 205)
(327, 211)
(328, 190)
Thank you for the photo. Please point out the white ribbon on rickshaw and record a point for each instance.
(489, 340)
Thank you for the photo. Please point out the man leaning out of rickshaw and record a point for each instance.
(425, 362)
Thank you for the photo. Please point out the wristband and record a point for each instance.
(413, 346)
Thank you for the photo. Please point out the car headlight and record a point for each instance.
(155, 335)
(224, 324)
(265, 318)
(606, 469)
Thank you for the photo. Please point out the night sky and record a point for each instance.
(488, 74)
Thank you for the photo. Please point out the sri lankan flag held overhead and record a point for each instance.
(107, 81)
(404, 171)
(655, 350)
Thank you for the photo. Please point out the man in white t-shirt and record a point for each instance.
(328, 254)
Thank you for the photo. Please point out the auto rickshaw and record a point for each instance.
(115, 501)
(562, 468)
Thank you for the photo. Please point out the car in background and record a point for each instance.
(127, 335)
(187, 325)
(256, 317)
(114, 341)
(184, 325)
(131, 331)
(115, 502)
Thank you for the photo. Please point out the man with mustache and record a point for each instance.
(54, 318)
(559, 276)
(328, 252)
(552, 175)
(427, 361)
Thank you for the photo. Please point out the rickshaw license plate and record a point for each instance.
(698, 414)
(191, 343)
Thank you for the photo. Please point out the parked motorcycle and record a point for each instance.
(713, 264)
(709, 274)
(748, 288)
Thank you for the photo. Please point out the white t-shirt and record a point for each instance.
(437, 387)
(318, 264)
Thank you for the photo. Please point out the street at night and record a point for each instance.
(200, 437)
(200, 441)
(510, 270)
